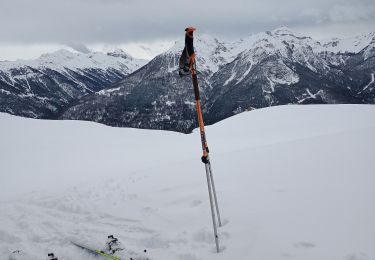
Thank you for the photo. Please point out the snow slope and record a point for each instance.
(352, 44)
(293, 182)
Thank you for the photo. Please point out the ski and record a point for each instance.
(113, 250)
(94, 251)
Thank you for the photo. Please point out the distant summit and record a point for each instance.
(43, 87)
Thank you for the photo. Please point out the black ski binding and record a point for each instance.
(51, 256)
(113, 245)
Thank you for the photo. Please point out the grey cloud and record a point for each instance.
(78, 47)
(341, 13)
(122, 21)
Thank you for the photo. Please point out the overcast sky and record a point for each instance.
(147, 27)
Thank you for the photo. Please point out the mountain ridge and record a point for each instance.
(42, 87)
(269, 68)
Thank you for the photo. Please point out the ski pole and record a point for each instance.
(205, 157)
(189, 50)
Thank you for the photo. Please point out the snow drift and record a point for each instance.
(293, 182)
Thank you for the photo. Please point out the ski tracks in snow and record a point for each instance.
(91, 212)
(48, 223)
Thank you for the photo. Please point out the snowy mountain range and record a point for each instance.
(270, 68)
(41, 88)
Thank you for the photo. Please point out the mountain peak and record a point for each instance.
(59, 53)
(284, 30)
(120, 53)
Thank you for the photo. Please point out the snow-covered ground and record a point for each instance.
(293, 182)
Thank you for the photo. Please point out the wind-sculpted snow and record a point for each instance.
(266, 69)
(293, 182)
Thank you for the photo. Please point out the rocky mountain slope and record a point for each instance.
(41, 88)
(283, 67)
(271, 68)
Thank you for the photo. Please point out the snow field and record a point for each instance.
(293, 182)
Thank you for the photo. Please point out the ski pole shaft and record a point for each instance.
(214, 192)
(206, 159)
(200, 116)
(212, 208)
